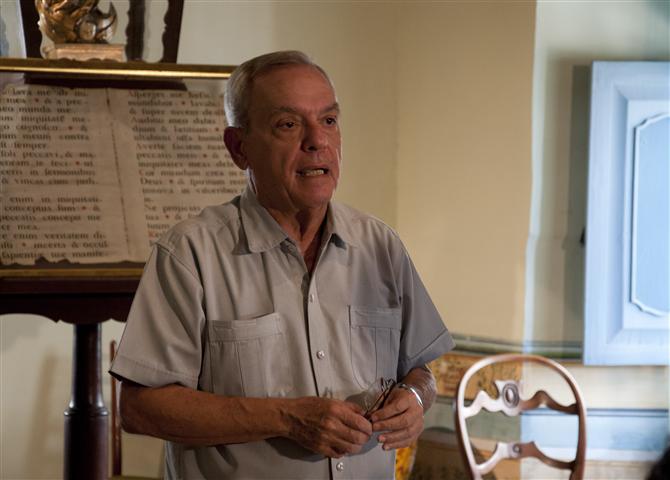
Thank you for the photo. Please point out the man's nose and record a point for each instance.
(314, 138)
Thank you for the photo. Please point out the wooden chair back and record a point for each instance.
(510, 403)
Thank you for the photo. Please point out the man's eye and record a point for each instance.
(331, 121)
(287, 124)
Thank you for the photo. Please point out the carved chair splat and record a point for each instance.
(509, 401)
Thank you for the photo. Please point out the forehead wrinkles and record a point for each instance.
(277, 90)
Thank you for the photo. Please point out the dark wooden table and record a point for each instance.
(85, 303)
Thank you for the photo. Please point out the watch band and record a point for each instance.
(412, 389)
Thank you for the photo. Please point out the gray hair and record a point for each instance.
(237, 95)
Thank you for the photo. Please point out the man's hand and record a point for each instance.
(401, 420)
(330, 427)
(180, 414)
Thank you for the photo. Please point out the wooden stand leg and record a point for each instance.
(86, 427)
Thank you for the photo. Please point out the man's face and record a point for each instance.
(292, 145)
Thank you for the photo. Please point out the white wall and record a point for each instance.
(35, 379)
(465, 73)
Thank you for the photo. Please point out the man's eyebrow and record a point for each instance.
(335, 107)
(286, 109)
(283, 109)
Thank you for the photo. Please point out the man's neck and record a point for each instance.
(305, 228)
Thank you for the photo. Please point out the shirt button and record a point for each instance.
(340, 466)
(320, 354)
(311, 298)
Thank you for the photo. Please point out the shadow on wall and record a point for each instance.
(573, 244)
(46, 430)
(662, 10)
(18, 327)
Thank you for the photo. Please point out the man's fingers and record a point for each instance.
(401, 438)
(356, 421)
(330, 427)
(400, 404)
(335, 442)
(348, 438)
(389, 411)
(400, 443)
(343, 447)
(356, 408)
(400, 421)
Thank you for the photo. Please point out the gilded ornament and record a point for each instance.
(76, 21)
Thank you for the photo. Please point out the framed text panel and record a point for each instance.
(99, 158)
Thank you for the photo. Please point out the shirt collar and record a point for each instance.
(264, 233)
(338, 225)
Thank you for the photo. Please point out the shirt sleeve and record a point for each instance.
(424, 335)
(162, 339)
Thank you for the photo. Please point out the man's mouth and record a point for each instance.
(312, 172)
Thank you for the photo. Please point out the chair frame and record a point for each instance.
(510, 403)
(117, 459)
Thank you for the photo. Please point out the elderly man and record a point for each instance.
(267, 333)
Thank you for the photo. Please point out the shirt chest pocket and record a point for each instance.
(375, 343)
(248, 357)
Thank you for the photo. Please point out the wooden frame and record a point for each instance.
(99, 74)
(114, 70)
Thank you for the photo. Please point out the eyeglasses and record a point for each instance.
(384, 386)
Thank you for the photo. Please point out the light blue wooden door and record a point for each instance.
(627, 298)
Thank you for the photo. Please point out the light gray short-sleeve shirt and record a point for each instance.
(226, 305)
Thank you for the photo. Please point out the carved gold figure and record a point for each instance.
(76, 21)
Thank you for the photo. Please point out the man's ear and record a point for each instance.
(232, 137)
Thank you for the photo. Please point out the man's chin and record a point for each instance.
(315, 198)
(314, 203)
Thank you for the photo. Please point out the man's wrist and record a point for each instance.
(413, 390)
